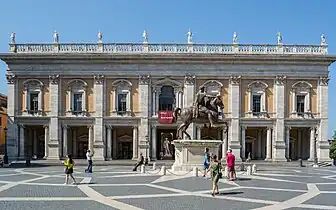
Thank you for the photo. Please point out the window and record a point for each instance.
(301, 99)
(166, 99)
(77, 103)
(300, 104)
(33, 90)
(257, 99)
(212, 87)
(34, 101)
(256, 103)
(77, 96)
(122, 97)
(122, 103)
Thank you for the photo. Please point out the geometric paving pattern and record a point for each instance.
(117, 187)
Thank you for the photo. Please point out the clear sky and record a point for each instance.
(299, 21)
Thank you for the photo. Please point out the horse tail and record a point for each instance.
(177, 111)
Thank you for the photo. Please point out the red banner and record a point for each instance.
(166, 117)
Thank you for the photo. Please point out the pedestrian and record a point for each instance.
(89, 159)
(69, 163)
(230, 160)
(139, 162)
(215, 169)
(206, 162)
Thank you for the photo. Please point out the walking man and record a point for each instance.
(89, 159)
(139, 162)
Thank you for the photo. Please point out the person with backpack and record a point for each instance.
(215, 170)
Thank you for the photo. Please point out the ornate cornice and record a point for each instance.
(190, 79)
(324, 81)
(54, 79)
(144, 79)
(279, 80)
(99, 79)
(234, 80)
(11, 78)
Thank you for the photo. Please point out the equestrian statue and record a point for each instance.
(205, 107)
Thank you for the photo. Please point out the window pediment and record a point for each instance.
(77, 84)
(301, 86)
(125, 138)
(32, 84)
(257, 86)
(122, 84)
(168, 82)
(212, 87)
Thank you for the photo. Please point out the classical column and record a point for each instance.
(299, 143)
(90, 146)
(109, 143)
(154, 142)
(35, 141)
(269, 144)
(54, 128)
(157, 97)
(135, 142)
(250, 100)
(114, 144)
(279, 109)
(287, 142)
(234, 109)
(99, 104)
(22, 142)
(74, 142)
(243, 131)
(312, 144)
(154, 107)
(65, 140)
(259, 139)
(293, 101)
(180, 93)
(199, 132)
(46, 140)
(225, 145)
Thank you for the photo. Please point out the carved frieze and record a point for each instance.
(10, 78)
(144, 79)
(235, 80)
(54, 79)
(324, 81)
(279, 80)
(190, 79)
(99, 79)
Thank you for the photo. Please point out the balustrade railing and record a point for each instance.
(122, 48)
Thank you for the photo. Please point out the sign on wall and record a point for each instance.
(166, 117)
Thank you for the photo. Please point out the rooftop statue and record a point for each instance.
(206, 107)
(100, 37)
(145, 36)
(56, 38)
(279, 38)
(12, 38)
(323, 40)
(189, 34)
(235, 38)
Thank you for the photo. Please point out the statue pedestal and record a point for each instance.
(190, 153)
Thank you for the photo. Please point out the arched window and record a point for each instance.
(301, 99)
(77, 97)
(122, 97)
(167, 98)
(33, 89)
(257, 99)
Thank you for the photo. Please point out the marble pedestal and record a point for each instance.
(190, 153)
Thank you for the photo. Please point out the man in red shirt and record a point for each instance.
(230, 160)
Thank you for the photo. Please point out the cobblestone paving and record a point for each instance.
(120, 188)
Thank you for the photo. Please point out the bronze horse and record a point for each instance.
(208, 112)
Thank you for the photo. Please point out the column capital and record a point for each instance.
(144, 79)
(313, 128)
(11, 78)
(109, 127)
(234, 80)
(54, 79)
(135, 127)
(99, 79)
(288, 128)
(45, 126)
(280, 79)
(90, 126)
(243, 127)
(269, 127)
(189, 79)
(65, 126)
(324, 81)
(22, 126)
(154, 126)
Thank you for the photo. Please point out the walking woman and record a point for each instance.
(206, 161)
(215, 169)
(69, 163)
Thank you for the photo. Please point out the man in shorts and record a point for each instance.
(230, 160)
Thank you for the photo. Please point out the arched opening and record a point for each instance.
(166, 98)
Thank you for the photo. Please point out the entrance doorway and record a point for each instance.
(165, 148)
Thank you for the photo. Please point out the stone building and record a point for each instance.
(117, 99)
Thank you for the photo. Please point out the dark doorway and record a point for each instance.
(165, 149)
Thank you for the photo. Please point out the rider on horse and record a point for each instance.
(201, 100)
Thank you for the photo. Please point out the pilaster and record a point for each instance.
(65, 141)
(109, 143)
(322, 138)
(234, 109)
(269, 144)
(189, 94)
(279, 109)
(54, 127)
(99, 103)
(144, 108)
(154, 142)
(135, 143)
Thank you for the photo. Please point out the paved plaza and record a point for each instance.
(116, 187)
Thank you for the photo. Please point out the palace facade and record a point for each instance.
(117, 99)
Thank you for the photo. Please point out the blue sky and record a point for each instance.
(300, 22)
